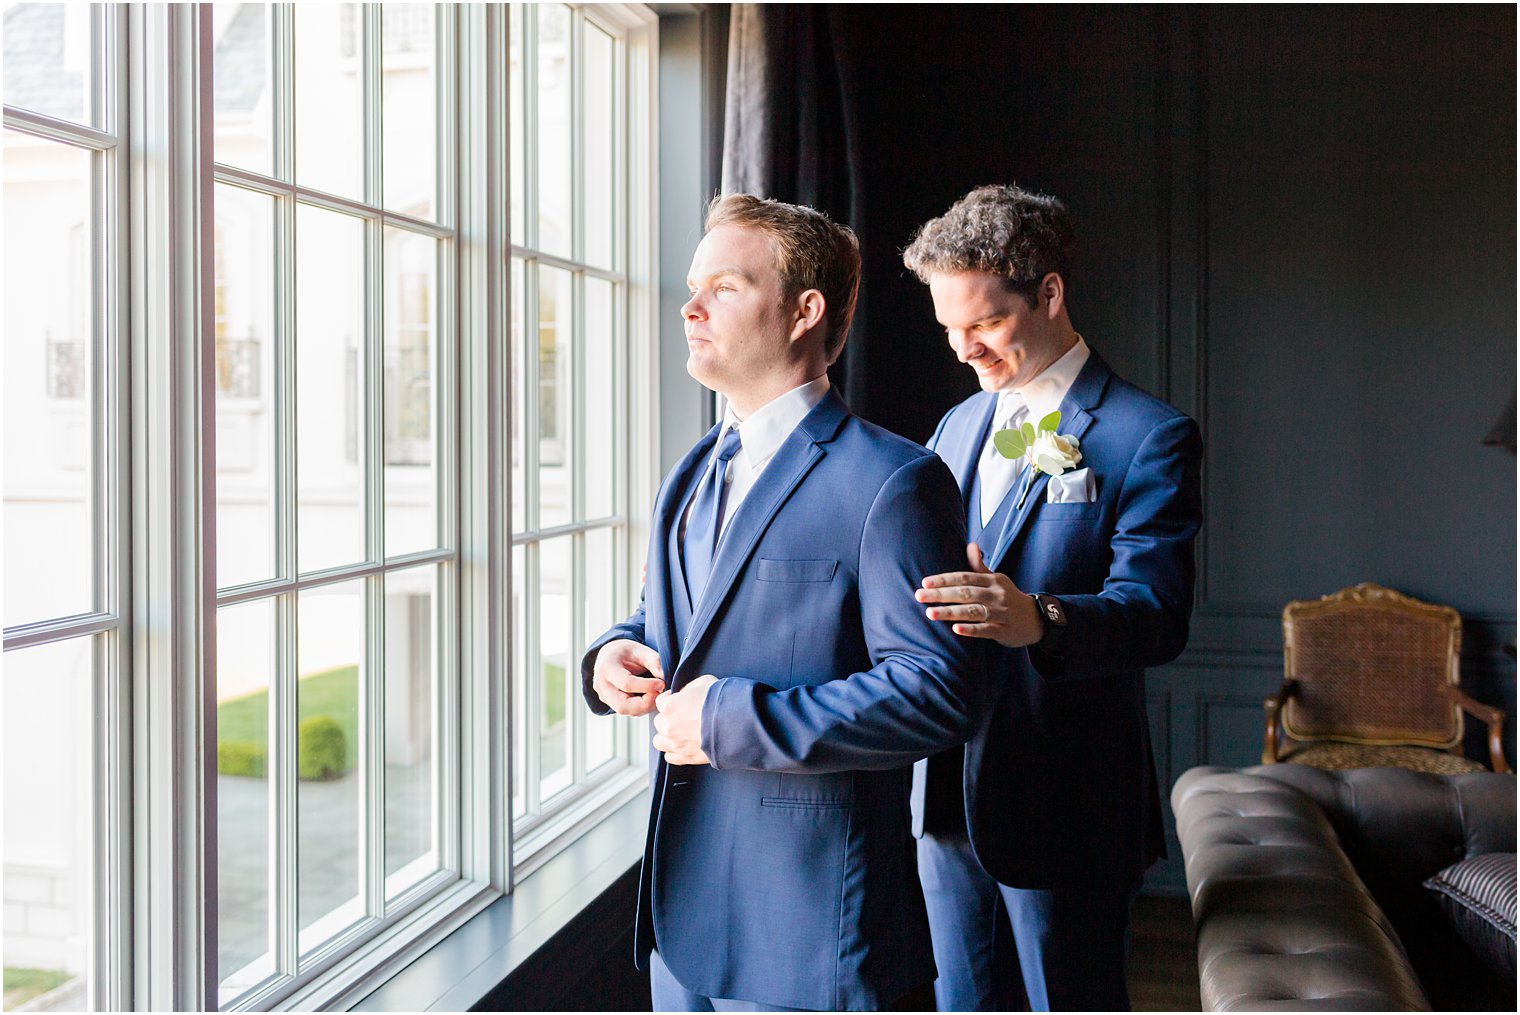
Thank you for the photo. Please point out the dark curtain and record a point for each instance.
(789, 130)
(881, 116)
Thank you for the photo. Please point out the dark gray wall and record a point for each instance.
(1296, 224)
(1350, 250)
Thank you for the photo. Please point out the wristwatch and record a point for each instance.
(1054, 617)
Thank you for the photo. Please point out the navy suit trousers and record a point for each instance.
(1071, 942)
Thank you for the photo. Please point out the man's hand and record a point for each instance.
(617, 678)
(678, 727)
(983, 603)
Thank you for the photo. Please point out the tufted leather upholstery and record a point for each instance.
(1307, 885)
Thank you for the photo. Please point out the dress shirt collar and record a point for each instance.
(1045, 393)
(768, 426)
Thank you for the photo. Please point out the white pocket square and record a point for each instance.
(1079, 487)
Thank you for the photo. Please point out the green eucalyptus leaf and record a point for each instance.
(1028, 429)
(1051, 423)
(1009, 443)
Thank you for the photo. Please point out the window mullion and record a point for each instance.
(284, 795)
(448, 449)
(111, 954)
(283, 708)
(482, 763)
(371, 752)
(173, 479)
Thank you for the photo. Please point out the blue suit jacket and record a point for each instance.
(1059, 788)
(784, 872)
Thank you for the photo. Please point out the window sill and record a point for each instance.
(465, 967)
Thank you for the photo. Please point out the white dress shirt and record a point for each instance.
(1033, 402)
(760, 437)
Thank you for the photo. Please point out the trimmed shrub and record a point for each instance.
(241, 757)
(321, 749)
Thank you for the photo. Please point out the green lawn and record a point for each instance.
(554, 694)
(335, 693)
(332, 693)
(23, 984)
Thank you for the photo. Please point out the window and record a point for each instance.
(65, 636)
(334, 562)
(570, 533)
(295, 590)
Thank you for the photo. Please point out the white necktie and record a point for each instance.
(996, 472)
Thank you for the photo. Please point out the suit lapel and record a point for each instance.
(1084, 394)
(964, 454)
(666, 575)
(792, 462)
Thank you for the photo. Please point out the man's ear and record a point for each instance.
(809, 311)
(1053, 292)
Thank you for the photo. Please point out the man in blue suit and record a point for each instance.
(1080, 575)
(803, 680)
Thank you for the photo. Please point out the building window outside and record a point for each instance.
(336, 323)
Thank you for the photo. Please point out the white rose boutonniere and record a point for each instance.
(1042, 446)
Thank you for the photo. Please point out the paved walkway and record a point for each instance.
(328, 850)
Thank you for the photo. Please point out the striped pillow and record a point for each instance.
(1478, 895)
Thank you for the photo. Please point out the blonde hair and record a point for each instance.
(812, 252)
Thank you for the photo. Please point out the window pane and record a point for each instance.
(600, 585)
(50, 343)
(554, 129)
(411, 682)
(602, 435)
(518, 122)
(598, 150)
(329, 388)
(241, 77)
(519, 639)
(245, 669)
(48, 828)
(410, 107)
(555, 436)
(48, 61)
(330, 669)
(520, 384)
(244, 406)
(554, 649)
(411, 484)
(329, 107)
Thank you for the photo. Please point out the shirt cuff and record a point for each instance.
(710, 721)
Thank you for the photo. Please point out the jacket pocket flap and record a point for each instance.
(796, 570)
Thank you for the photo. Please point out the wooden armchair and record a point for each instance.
(1370, 680)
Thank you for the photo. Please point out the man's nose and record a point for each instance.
(966, 348)
(692, 310)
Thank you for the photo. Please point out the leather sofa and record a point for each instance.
(1308, 886)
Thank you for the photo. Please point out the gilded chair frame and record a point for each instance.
(1280, 706)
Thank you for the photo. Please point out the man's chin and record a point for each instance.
(702, 371)
(990, 382)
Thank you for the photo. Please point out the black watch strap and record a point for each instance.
(1053, 614)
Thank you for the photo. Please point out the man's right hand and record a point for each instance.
(628, 677)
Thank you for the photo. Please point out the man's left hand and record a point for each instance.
(678, 726)
(982, 603)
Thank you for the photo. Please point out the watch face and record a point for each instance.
(1053, 612)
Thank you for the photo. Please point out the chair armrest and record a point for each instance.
(1493, 717)
(1273, 707)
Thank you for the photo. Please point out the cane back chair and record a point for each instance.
(1370, 680)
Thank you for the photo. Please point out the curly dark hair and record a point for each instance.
(1003, 230)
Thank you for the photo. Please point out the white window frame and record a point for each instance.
(297, 967)
(155, 759)
(109, 980)
(547, 825)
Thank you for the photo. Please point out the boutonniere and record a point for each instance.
(1042, 447)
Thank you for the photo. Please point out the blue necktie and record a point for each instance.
(702, 524)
